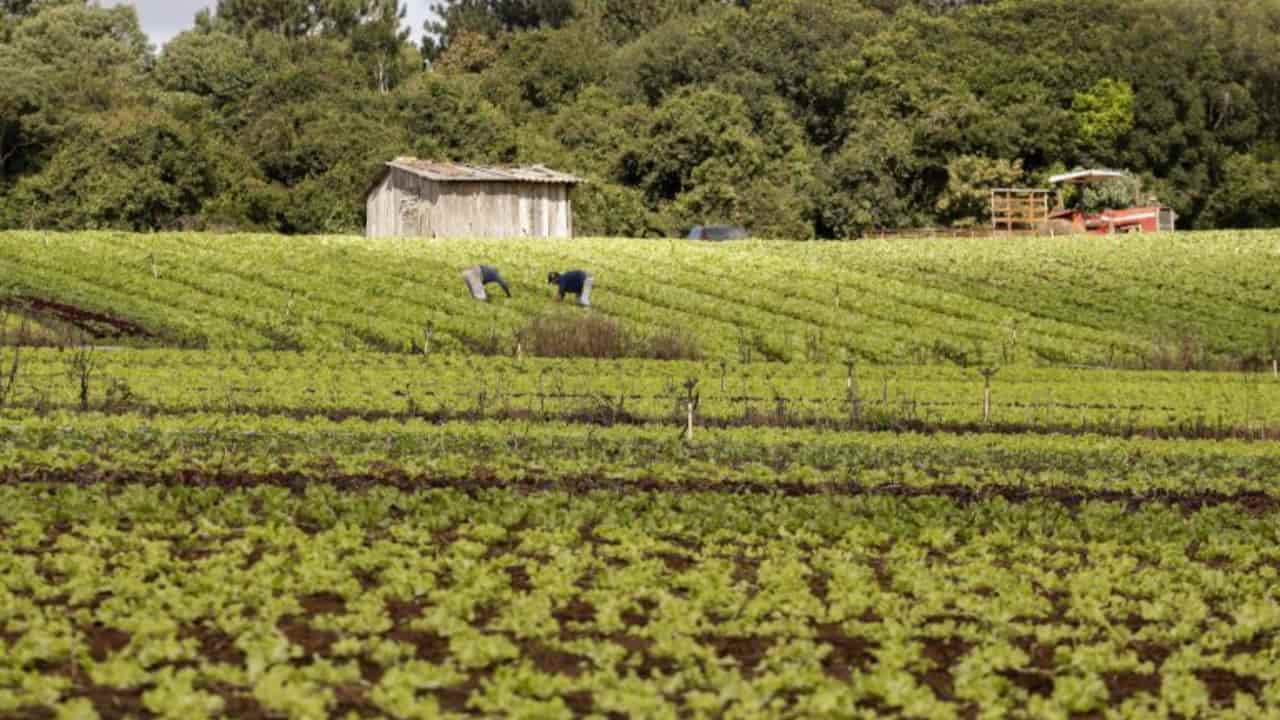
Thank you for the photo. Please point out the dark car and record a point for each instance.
(718, 232)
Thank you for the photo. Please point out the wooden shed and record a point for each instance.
(423, 198)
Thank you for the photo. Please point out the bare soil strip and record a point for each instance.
(94, 323)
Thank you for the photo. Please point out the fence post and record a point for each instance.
(851, 389)
(987, 374)
(691, 401)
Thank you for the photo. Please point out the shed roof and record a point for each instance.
(459, 172)
(1080, 177)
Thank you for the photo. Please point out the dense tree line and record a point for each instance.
(798, 118)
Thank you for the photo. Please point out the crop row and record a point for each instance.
(248, 449)
(1024, 301)
(195, 602)
(374, 385)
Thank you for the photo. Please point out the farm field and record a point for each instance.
(1095, 301)
(891, 486)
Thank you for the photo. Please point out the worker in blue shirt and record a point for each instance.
(574, 282)
(476, 277)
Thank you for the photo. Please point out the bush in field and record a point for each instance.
(576, 334)
(567, 334)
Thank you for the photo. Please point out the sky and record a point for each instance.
(162, 19)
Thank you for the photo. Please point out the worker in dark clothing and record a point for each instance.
(476, 277)
(574, 282)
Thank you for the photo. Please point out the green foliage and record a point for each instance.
(1112, 194)
(696, 140)
(796, 118)
(490, 17)
(1247, 194)
(61, 65)
(1104, 113)
(970, 179)
(126, 170)
(1021, 300)
(192, 602)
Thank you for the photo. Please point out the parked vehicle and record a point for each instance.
(718, 232)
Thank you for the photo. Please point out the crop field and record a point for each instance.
(263, 477)
(1096, 301)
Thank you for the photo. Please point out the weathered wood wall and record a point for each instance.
(405, 205)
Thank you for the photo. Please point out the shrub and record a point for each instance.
(589, 334)
(672, 345)
(573, 334)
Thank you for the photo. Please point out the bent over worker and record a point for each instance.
(574, 282)
(477, 276)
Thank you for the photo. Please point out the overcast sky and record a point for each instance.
(162, 19)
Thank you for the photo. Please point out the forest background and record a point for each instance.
(797, 118)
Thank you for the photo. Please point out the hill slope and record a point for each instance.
(1097, 300)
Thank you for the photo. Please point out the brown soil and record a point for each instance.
(577, 611)
(1124, 685)
(1224, 684)
(945, 653)
(403, 611)
(1257, 503)
(552, 661)
(848, 653)
(93, 323)
(313, 641)
(581, 703)
(104, 641)
(325, 602)
(215, 645)
(113, 703)
(430, 647)
(1152, 653)
(676, 563)
(746, 652)
(519, 578)
(818, 582)
(633, 618)
(1038, 682)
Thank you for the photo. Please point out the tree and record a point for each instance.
(695, 137)
(543, 69)
(970, 179)
(625, 20)
(452, 120)
(490, 18)
(213, 65)
(372, 27)
(62, 62)
(380, 42)
(129, 169)
(290, 18)
(1246, 197)
(872, 182)
(1104, 114)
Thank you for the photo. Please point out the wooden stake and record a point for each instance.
(688, 431)
(987, 374)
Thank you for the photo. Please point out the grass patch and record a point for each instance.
(570, 334)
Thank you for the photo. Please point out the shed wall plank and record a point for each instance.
(407, 205)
